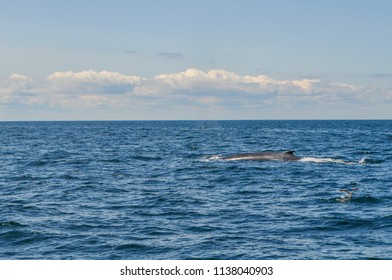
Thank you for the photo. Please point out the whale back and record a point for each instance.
(284, 156)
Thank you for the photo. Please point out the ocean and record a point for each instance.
(161, 190)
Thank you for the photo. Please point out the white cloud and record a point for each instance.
(93, 77)
(13, 86)
(14, 83)
(92, 82)
(195, 80)
(306, 85)
(193, 88)
(18, 77)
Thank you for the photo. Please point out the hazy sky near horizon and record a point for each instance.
(215, 59)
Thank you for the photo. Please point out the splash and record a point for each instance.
(362, 161)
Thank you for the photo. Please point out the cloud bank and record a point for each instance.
(192, 94)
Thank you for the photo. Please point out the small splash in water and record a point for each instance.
(362, 161)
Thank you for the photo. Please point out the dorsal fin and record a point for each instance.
(289, 152)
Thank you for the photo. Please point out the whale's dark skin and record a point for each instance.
(284, 156)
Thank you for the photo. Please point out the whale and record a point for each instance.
(282, 156)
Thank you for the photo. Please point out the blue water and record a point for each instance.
(160, 190)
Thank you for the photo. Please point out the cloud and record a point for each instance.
(92, 77)
(171, 55)
(14, 87)
(190, 92)
(131, 51)
(14, 83)
(219, 81)
(90, 81)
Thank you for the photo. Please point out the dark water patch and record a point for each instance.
(22, 237)
(384, 222)
(112, 160)
(146, 158)
(133, 247)
(195, 229)
(366, 160)
(69, 177)
(37, 163)
(342, 224)
(367, 200)
(248, 193)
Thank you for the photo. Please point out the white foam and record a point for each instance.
(211, 158)
(324, 160)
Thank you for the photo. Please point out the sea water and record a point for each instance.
(160, 190)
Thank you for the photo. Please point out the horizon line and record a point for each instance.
(189, 120)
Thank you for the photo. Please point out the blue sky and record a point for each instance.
(195, 59)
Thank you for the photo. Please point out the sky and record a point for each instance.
(205, 59)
